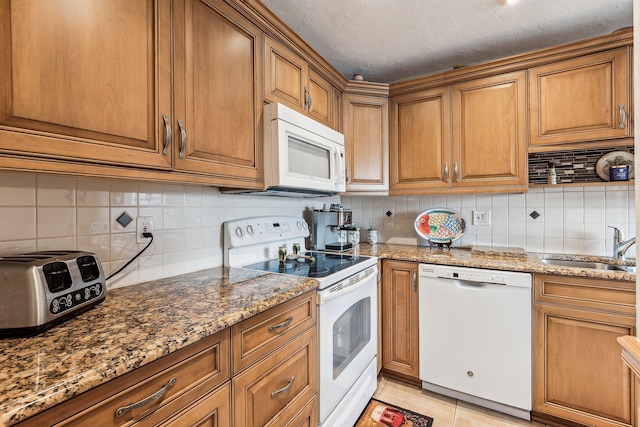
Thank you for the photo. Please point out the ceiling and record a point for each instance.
(392, 40)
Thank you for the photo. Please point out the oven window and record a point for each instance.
(351, 332)
(308, 159)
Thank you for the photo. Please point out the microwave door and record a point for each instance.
(307, 162)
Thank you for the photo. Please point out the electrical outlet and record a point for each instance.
(481, 218)
(144, 224)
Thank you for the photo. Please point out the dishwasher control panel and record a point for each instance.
(475, 275)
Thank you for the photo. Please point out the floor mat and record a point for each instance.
(380, 414)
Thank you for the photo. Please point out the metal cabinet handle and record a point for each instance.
(281, 325)
(285, 388)
(456, 172)
(167, 134)
(622, 116)
(183, 139)
(307, 99)
(415, 282)
(147, 400)
(446, 172)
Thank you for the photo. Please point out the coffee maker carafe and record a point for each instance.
(329, 228)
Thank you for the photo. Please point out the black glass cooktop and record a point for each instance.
(323, 264)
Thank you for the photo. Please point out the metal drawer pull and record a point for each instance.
(183, 139)
(285, 388)
(622, 116)
(167, 134)
(456, 172)
(281, 325)
(446, 172)
(155, 396)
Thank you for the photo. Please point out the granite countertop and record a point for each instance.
(509, 259)
(134, 326)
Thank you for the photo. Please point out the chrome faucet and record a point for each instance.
(620, 246)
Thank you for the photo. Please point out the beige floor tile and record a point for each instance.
(446, 411)
(469, 415)
(440, 408)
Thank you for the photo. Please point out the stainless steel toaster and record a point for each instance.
(41, 289)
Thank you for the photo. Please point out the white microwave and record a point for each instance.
(302, 157)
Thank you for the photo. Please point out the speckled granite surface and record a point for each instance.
(492, 259)
(132, 327)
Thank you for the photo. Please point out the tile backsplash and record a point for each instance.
(571, 220)
(43, 212)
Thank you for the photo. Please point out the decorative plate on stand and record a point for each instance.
(440, 226)
(614, 158)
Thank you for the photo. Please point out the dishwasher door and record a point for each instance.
(475, 336)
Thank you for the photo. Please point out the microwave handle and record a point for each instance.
(339, 165)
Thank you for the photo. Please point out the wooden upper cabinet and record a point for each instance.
(218, 92)
(321, 99)
(285, 76)
(461, 137)
(421, 140)
(366, 135)
(85, 80)
(582, 99)
(489, 133)
(289, 80)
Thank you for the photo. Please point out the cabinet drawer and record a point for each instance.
(610, 295)
(255, 337)
(212, 409)
(273, 390)
(203, 365)
(307, 417)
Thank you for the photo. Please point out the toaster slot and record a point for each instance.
(88, 267)
(57, 276)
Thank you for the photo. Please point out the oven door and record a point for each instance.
(347, 319)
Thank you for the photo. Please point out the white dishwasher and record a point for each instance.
(475, 336)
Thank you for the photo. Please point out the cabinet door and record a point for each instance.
(86, 81)
(578, 374)
(366, 138)
(420, 141)
(320, 102)
(400, 318)
(489, 133)
(217, 91)
(285, 76)
(581, 99)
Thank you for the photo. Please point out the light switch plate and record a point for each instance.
(481, 218)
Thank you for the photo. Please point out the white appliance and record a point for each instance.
(347, 307)
(475, 336)
(302, 157)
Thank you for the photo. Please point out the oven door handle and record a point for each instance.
(326, 296)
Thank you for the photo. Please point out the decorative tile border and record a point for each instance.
(575, 166)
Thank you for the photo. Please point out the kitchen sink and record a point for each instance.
(589, 264)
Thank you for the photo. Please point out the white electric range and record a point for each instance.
(347, 306)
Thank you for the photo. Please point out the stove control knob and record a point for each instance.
(249, 230)
(299, 224)
(239, 232)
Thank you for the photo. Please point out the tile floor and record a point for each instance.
(446, 411)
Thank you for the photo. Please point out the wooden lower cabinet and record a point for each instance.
(400, 319)
(198, 386)
(578, 374)
(272, 391)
